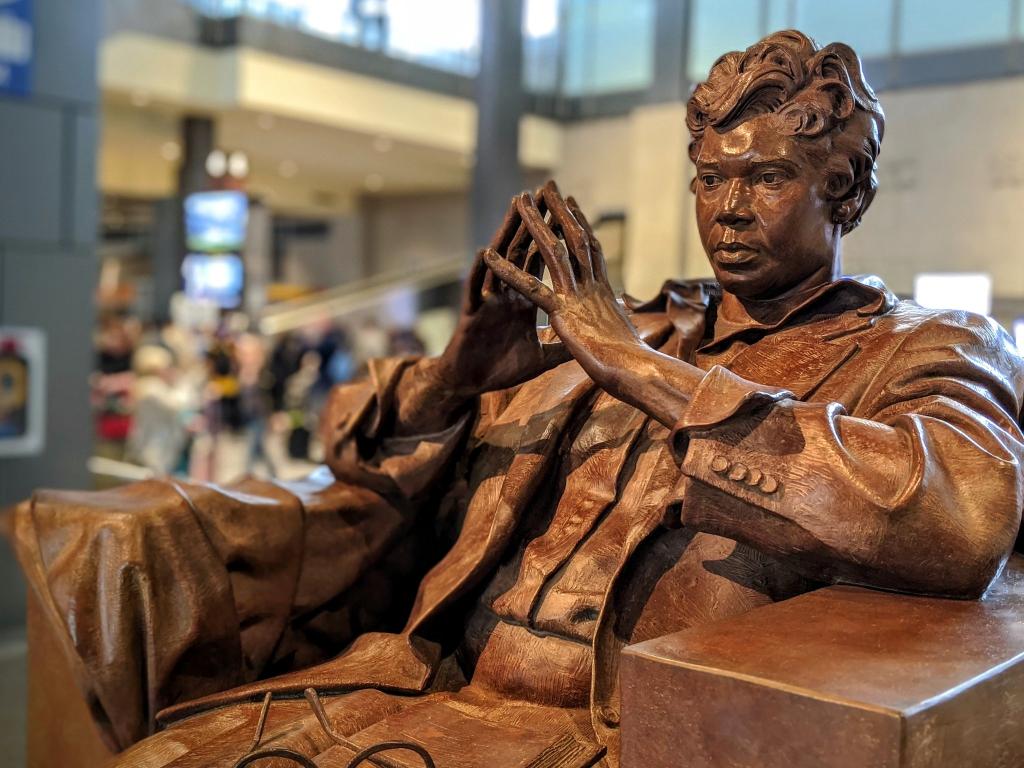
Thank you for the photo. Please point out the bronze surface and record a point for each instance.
(842, 677)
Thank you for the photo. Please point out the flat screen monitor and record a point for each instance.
(215, 221)
(216, 277)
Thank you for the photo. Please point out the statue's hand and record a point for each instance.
(582, 306)
(495, 344)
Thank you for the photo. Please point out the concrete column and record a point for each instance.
(671, 37)
(496, 175)
(257, 257)
(48, 222)
(168, 243)
(197, 141)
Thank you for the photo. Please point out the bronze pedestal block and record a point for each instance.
(842, 677)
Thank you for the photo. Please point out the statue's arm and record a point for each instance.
(395, 430)
(924, 494)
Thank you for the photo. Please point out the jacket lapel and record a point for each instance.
(530, 426)
(795, 363)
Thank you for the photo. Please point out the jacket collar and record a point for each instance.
(680, 300)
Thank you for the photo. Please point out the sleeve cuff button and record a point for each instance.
(738, 472)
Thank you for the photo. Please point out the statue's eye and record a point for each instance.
(772, 178)
(710, 180)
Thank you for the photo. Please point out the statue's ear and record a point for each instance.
(845, 210)
(849, 204)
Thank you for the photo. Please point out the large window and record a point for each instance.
(929, 25)
(542, 48)
(865, 25)
(719, 26)
(729, 25)
(609, 46)
(444, 33)
(588, 47)
(583, 48)
(874, 28)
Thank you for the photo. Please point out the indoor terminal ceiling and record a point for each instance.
(294, 165)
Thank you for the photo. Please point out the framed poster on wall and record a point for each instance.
(16, 43)
(22, 391)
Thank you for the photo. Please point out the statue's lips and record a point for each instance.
(735, 256)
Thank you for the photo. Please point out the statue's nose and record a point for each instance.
(736, 205)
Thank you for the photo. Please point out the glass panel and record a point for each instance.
(936, 24)
(864, 25)
(444, 33)
(540, 45)
(609, 46)
(439, 34)
(720, 26)
(781, 15)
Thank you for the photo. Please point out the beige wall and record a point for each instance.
(325, 263)
(594, 165)
(952, 188)
(408, 233)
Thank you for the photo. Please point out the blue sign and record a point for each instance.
(15, 46)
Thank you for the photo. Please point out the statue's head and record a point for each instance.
(785, 136)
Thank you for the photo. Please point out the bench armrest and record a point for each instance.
(836, 678)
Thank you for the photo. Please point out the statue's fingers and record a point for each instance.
(534, 263)
(596, 252)
(522, 242)
(528, 285)
(551, 248)
(504, 234)
(491, 284)
(574, 234)
(519, 246)
(472, 295)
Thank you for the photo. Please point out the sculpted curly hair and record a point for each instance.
(820, 93)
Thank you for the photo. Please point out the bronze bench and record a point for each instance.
(840, 677)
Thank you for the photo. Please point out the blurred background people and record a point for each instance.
(161, 410)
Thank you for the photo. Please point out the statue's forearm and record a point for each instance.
(657, 384)
(425, 402)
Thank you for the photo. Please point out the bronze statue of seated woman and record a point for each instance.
(502, 520)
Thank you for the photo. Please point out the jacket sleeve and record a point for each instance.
(922, 494)
(356, 427)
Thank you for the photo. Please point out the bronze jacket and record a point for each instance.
(855, 438)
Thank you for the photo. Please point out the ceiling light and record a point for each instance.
(216, 163)
(374, 182)
(238, 164)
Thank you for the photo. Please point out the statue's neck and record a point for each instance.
(766, 311)
(738, 312)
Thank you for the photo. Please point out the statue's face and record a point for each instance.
(762, 212)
